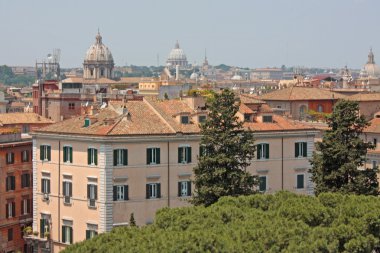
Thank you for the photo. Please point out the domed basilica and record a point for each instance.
(98, 62)
(370, 69)
(177, 57)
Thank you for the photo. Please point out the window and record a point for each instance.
(92, 194)
(300, 181)
(67, 234)
(67, 154)
(10, 210)
(87, 122)
(101, 72)
(44, 227)
(45, 185)
(25, 129)
(184, 188)
(10, 158)
(67, 188)
(247, 117)
(10, 183)
(71, 106)
(202, 150)
(10, 234)
(184, 119)
(120, 157)
(120, 192)
(91, 72)
(92, 156)
(25, 156)
(202, 118)
(45, 153)
(262, 183)
(25, 180)
(300, 149)
(90, 234)
(374, 164)
(267, 119)
(262, 151)
(375, 142)
(25, 206)
(153, 156)
(184, 154)
(320, 108)
(153, 191)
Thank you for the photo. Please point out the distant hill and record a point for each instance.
(283, 222)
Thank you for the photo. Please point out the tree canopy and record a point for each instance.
(282, 222)
(8, 77)
(336, 165)
(226, 150)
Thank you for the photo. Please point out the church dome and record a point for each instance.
(372, 69)
(177, 57)
(98, 52)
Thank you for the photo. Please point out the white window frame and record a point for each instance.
(25, 210)
(92, 194)
(300, 149)
(92, 155)
(120, 157)
(153, 190)
(10, 210)
(9, 157)
(184, 189)
(120, 192)
(185, 154)
(45, 181)
(24, 155)
(153, 156)
(304, 179)
(67, 232)
(263, 151)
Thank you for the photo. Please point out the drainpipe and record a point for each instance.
(282, 163)
(168, 176)
(59, 190)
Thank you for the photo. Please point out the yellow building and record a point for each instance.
(90, 173)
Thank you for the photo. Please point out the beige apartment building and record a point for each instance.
(91, 172)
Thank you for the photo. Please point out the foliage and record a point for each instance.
(7, 77)
(335, 165)
(283, 222)
(223, 67)
(132, 221)
(228, 150)
(320, 116)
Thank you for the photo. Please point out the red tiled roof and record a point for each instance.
(301, 93)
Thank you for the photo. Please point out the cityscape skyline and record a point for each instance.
(240, 33)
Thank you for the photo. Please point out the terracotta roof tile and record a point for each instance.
(365, 97)
(301, 93)
(374, 127)
(279, 124)
(23, 118)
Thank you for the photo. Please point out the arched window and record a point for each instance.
(91, 72)
(303, 110)
(101, 72)
(320, 108)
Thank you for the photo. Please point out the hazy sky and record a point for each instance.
(250, 33)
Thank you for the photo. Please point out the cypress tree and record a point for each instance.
(227, 151)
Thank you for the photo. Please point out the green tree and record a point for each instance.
(132, 221)
(226, 151)
(336, 163)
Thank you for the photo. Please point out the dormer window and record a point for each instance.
(247, 117)
(202, 118)
(87, 122)
(184, 119)
(267, 119)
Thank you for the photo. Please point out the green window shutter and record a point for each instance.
(63, 233)
(259, 151)
(88, 234)
(88, 191)
(42, 227)
(114, 193)
(114, 157)
(180, 152)
(267, 151)
(13, 182)
(96, 156)
(89, 156)
(42, 152)
(189, 188)
(64, 154)
(158, 156)
(148, 155)
(70, 189)
(147, 191)
(71, 155)
(304, 144)
(189, 154)
(42, 185)
(125, 154)
(96, 191)
(300, 181)
(126, 197)
(296, 149)
(48, 153)
(64, 188)
(71, 235)
(179, 189)
(158, 190)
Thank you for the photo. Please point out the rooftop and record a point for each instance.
(23, 118)
(301, 93)
(365, 97)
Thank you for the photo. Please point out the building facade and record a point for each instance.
(92, 172)
(15, 190)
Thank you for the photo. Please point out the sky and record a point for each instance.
(244, 33)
